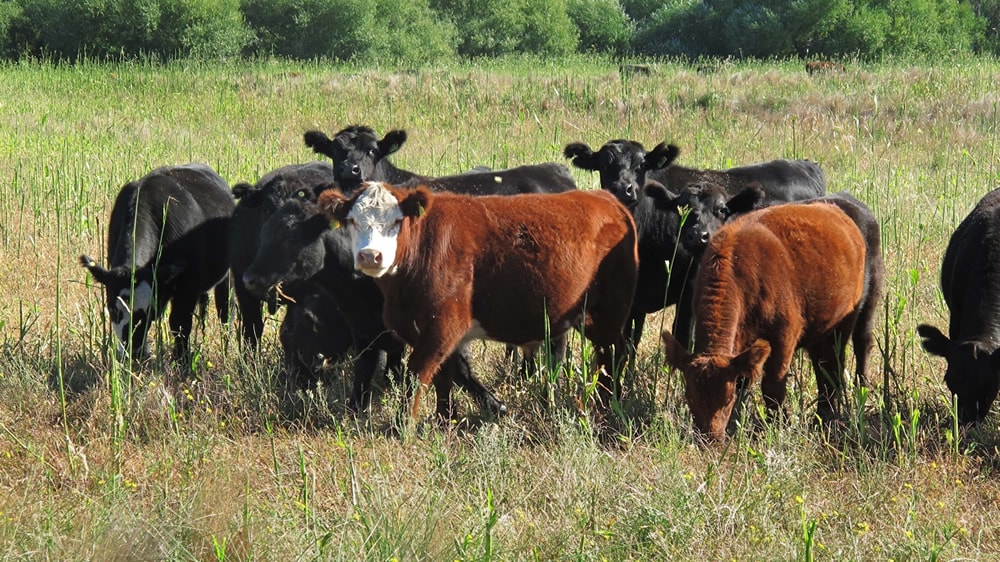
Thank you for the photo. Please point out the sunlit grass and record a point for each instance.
(221, 464)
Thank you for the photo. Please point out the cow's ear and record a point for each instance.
(745, 201)
(101, 275)
(661, 196)
(934, 342)
(677, 355)
(392, 142)
(661, 156)
(750, 363)
(242, 190)
(583, 157)
(416, 202)
(318, 141)
(334, 206)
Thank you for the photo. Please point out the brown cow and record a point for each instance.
(771, 281)
(455, 267)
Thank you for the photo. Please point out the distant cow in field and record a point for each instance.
(255, 204)
(970, 284)
(167, 242)
(709, 207)
(625, 167)
(454, 268)
(359, 156)
(299, 250)
(771, 281)
(817, 66)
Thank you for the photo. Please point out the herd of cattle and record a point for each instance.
(367, 258)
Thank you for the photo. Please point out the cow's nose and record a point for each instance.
(632, 191)
(255, 283)
(369, 258)
(704, 237)
(356, 171)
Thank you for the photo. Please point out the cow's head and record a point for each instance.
(710, 381)
(706, 207)
(973, 373)
(131, 301)
(374, 219)
(622, 164)
(355, 152)
(291, 245)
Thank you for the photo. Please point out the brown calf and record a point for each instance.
(454, 268)
(771, 281)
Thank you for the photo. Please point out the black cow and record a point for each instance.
(168, 240)
(666, 269)
(970, 284)
(255, 203)
(298, 247)
(314, 337)
(710, 206)
(359, 155)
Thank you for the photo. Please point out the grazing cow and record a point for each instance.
(454, 268)
(254, 205)
(625, 167)
(710, 206)
(359, 156)
(970, 284)
(298, 249)
(314, 336)
(817, 66)
(167, 242)
(771, 281)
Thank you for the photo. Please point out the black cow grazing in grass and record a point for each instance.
(710, 206)
(359, 155)
(666, 269)
(255, 203)
(314, 337)
(168, 241)
(970, 284)
(298, 248)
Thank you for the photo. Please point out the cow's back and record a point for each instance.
(803, 262)
(970, 271)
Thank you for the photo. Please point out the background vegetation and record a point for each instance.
(418, 32)
(99, 461)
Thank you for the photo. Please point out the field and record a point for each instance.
(99, 461)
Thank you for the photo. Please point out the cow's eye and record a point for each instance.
(371, 152)
(722, 211)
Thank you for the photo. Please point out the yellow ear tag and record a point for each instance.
(334, 224)
(301, 194)
(420, 210)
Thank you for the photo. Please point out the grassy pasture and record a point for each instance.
(98, 462)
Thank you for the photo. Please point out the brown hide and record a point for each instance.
(506, 263)
(771, 281)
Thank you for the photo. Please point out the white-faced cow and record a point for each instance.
(970, 284)
(454, 268)
(299, 251)
(167, 242)
(666, 270)
(771, 281)
(709, 207)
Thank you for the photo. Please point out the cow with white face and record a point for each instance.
(167, 243)
(513, 269)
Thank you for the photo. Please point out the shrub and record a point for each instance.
(412, 33)
(601, 24)
(201, 28)
(307, 29)
(502, 27)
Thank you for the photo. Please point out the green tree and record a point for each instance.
(602, 25)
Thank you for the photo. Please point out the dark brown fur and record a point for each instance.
(771, 281)
(507, 263)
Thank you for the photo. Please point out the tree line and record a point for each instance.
(420, 31)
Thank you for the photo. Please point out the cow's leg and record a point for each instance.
(634, 327)
(773, 385)
(460, 371)
(436, 343)
(371, 360)
(222, 300)
(863, 336)
(828, 357)
(181, 319)
(684, 319)
(251, 314)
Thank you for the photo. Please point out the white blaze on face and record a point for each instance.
(374, 223)
(139, 302)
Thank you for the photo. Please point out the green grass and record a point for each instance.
(145, 465)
